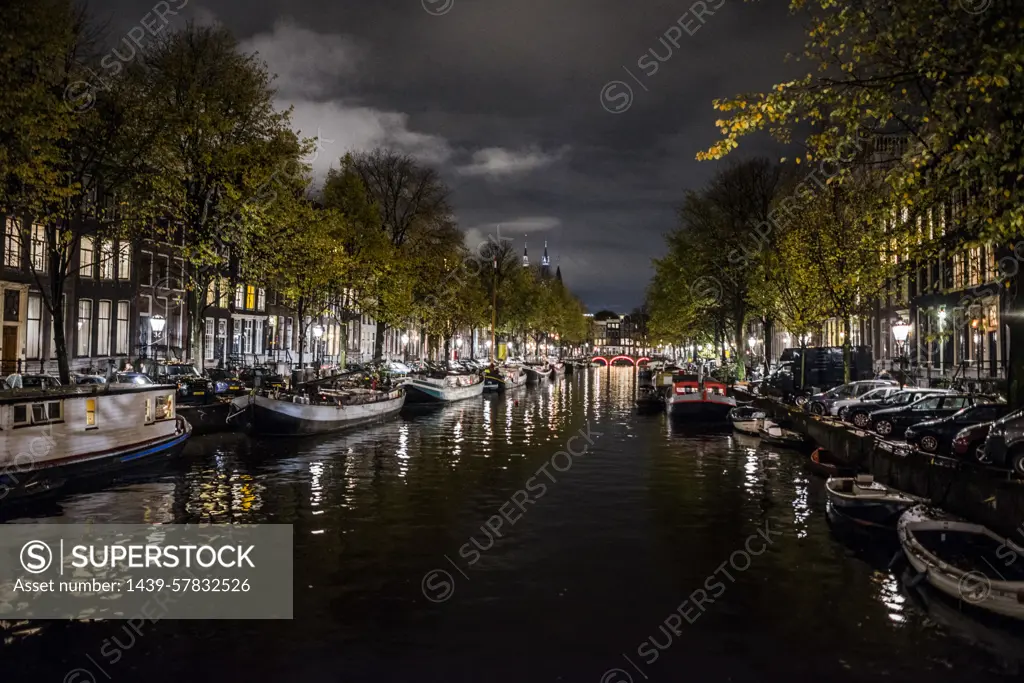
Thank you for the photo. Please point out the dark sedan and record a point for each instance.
(936, 436)
(888, 421)
(860, 413)
(226, 382)
(970, 442)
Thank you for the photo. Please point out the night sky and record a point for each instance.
(513, 101)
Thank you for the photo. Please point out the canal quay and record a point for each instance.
(467, 543)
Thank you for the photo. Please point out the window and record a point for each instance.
(222, 337)
(39, 248)
(106, 260)
(250, 297)
(208, 340)
(90, 413)
(954, 402)
(86, 258)
(103, 329)
(288, 334)
(146, 276)
(211, 293)
(34, 343)
(258, 342)
(84, 327)
(12, 244)
(247, 335)
(261, 299)
(165, 407)
(224, 292)
(20, 415)
(163, 267)
(927, 404)
(121, 345)
(239, 297)
(47, 412)
(124, 261)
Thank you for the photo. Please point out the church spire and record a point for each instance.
(526, 258)
(545, 261)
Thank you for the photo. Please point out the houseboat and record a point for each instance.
(698, 398)
(50, 436)
(314, 409)
(443, 387)
(504, 379)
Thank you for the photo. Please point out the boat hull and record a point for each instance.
(275, 417)
(748, 427)
(49, 477)
(423, 392)
(206, 418)
(682, 406)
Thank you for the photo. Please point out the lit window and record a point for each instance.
(107, 260)
(240, 297)
(39, 250)
(165, 407)
(261, 299)
(250, 297)
(124, 261)
(12, 244)
(87, 258)
(90, 413)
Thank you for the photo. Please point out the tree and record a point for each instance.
(947, 82)
(416, 219)
(225, 154)
(72, 171)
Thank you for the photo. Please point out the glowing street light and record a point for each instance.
(157, 323)
(752, 342)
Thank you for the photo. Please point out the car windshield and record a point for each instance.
(132, 379)
(179, 370)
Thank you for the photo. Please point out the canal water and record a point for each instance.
(467, 543)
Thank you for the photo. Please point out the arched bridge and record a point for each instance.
(633, 360)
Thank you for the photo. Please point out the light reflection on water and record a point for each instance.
(612, 548)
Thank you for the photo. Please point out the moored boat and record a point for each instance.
(291, 414)
(747, 419)
(536, 372)
(822, 463)
(863, 501)
(49, 437)
(690, 396)
(772, 433)
(443, 387)
(960, 559)
(649, 399)
(504, 379)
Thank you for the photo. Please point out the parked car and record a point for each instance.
(398, 368)
(860, 413)
(823, 403)
(192, 387)
(39, 382)
(889, 421)
(226, 382)
(970, 442)
(841, 407)
(133, 378)
(1004, 446)
(87, 379)
(936, 436)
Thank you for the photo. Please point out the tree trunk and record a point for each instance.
(741, 368)
(769, 342)
(57, 313)
(847, 329)
(378, 343)
(300, 313)
(447, 348)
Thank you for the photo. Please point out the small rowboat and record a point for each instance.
(865, 502)
(822, 463)
(772, 433)
(967, 562)
(747, 420)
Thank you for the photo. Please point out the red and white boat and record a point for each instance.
(698, 398)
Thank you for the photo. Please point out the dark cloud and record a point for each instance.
(505, 98)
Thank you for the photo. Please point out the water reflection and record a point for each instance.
(614, 546)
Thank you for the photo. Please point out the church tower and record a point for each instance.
(545, 263)
(526, 258)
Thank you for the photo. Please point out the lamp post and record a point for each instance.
(458, 347)
(318, 332)
(156, 324)
(900, 332)
(405, 347)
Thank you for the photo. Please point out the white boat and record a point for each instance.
(504, 379)
(747, 420)
(48, 437)
(965, 561)
(538, 372)
(282, 414)
(436, 388)
(865, 502)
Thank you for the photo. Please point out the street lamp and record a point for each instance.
(318, 331)
(752, 342)
(405, 347)
(900, 332)
(157, 323)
